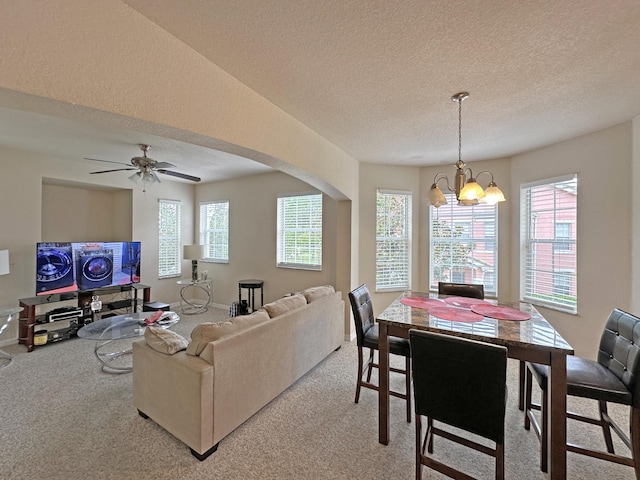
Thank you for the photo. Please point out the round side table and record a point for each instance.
(191, 306)
(251, 285)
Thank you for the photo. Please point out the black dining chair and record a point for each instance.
(470, 290)
(460, 383)
(614, 378)
(367, 337)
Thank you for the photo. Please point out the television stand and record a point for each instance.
(29, 319)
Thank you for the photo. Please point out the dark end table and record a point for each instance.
(251, 285)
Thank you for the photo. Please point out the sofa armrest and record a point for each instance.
(176, 392)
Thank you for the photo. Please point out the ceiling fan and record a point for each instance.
(146, 168)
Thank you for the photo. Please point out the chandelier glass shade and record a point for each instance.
(467, 189)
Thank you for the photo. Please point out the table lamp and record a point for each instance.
(4, 262)
(193, 253)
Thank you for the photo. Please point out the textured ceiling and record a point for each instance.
(375, 77)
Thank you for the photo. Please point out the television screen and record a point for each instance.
(78, 266)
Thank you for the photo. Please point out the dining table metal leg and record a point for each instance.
(383, 388)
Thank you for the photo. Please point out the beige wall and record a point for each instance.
(602, 161)
(252, 237)
(81, 213)
(635, 217)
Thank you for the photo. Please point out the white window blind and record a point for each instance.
(549, 243)
(393, 240)
(463, 246)
(299, 232)
(170, 212)
(214, 230)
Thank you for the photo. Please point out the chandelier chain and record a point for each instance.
(460, 130)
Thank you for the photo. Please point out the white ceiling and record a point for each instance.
(375, 77)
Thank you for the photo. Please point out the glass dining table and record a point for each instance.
(515, 325)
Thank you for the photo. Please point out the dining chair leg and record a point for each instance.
(499, 461)
(527, 398)
(429, 435)
(408, 386)
(606, 429)
(360, 373)
(418, 447)
(370, 365)
(635, 438)
(521, 387)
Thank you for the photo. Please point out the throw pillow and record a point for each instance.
(210, 332)
(285, 304)
(315, 293)
(164, 341)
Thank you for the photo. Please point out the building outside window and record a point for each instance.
(299, 231)
(463, 245)
(549, 243)
(393, 240)
(214, 230)
(169, 218)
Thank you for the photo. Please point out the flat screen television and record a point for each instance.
(80, 266)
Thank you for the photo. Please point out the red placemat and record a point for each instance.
(464, 302)
(455, 314)
(420, 302)
(500, 312)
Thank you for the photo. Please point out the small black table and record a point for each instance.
(251, 284)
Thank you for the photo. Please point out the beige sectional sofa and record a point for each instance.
(229, 371)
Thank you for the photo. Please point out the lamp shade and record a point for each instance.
(436, 197)
(4, 262)
(493, 194)
(471, 191)
(193, 252)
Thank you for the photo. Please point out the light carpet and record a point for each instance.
(61, 417)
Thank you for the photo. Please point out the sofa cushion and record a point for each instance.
(315, 293)
(164, 341)
(285, 304)
(209, 332)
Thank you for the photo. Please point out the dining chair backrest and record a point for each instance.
(619, 350)
(460, 382)
(362, 309)
(471, 290)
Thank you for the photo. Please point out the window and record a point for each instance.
(393, 240)
(169, 238)
(463, 245)
(548, 238)
(214, 230)
(563, 237)
(299, 232)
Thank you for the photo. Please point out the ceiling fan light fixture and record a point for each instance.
(135, 178)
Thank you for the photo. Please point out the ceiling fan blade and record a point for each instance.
(179, 175)
(106, 161)
(163, 165)
(116, 170)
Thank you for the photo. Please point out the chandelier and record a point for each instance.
(468, 192)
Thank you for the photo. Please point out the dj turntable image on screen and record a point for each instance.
(78, 266)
